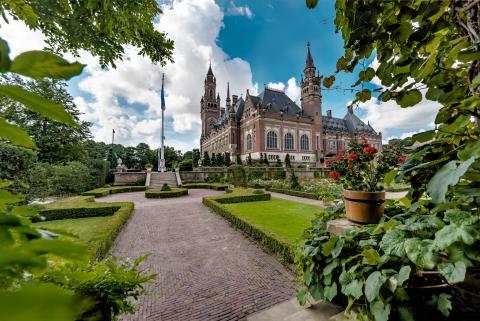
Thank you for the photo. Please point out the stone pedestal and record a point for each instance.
(340, 226)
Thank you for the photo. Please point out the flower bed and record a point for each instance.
(105, 191)
(174, 192)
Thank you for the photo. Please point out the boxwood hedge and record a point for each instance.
(293, 193)
(105, 191)
(157, 193)
(214, 186)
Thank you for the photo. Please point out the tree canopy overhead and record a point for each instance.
(99, 27)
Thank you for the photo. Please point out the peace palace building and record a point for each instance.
(273, 124)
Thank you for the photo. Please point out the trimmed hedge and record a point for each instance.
(233, 197)
(293, 193)
(105, 191)
(77, 212)
(279, 248)
(214, 186)
(175, 192)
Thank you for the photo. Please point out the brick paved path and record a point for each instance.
(206, 269)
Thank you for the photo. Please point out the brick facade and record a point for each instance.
(272, 123)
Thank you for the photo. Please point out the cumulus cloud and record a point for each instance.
(404, 135)
(128, 98)
(234, 10)
(291, 89)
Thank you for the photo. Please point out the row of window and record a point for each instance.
(272, 141)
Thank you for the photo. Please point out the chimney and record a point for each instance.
(234, 99)
(329, 113)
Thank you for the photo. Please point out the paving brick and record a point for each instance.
(206, 269)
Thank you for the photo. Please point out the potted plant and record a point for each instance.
(149, 167)
(358, 169)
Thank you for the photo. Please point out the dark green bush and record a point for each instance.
(215, 178)
(78, 212)
(165, 188)
(255, 175)
(237, 175)
(186, 165)
(73, 178)
(174, 192)
(294, 184)
(98, 172)
(293, 193)
(258, 191)
(240, 198)
(214, 186)
(104, 191)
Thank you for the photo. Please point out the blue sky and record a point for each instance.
(249, 42)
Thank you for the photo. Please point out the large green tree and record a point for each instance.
(56, 142)
(102, 28)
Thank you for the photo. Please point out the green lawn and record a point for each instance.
(90, 230)
(284, 219)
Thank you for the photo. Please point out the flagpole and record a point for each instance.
(161, 159)
(113, 149)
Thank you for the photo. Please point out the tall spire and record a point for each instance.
(309, 57)
(210, 72)
(228, 94)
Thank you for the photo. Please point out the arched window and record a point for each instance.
(249, 142)
(272, 140)
(288, 141)
(304, 142)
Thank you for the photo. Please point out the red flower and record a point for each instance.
(334, 175)
(402, 159)
(370, 150)
(328, 162)
(339, 157)
(352, 156)
(350, 165)
(342, 150)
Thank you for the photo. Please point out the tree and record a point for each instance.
(56, 142)
(261, 158)
(287, 161)
(279, 162)
(265, 159)
(239, 160)
(206, 159)
(103, 30)
(195, 156)
(144, 155)
(214, 160)
(249, 159)
(227, 161)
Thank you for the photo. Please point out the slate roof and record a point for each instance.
(238, 108)
(276, 101)
(350, 123)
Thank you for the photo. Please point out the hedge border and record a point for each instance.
(214, 186)
(293, 193)
(56, 214)
(281, 249)
(105, 191)
(232, 197)
(157, 193)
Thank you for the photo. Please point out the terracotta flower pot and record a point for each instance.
(364, 207)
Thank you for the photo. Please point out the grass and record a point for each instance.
(284, 219)
(97, 233)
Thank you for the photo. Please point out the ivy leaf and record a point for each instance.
(453, 272)
(354, 289)
(448, 175)
(333, 246)
(409, 98)
(15, 134)
(307, 277)
(371, 256)
(330, 291)
(393, 242)
(380, 310)
(403, 275)
(421, 252)
(316, 290)
(442, 303)
(40, 64)
(329, 267)
(4, 56)
(302, 296)
(373, 284)
(37, 104)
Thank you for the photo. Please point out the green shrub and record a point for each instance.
(214, 186)
(240, 198)
(73, 178)
(77, 212)
(294, 184)
(293, 192)
(237, 175)
(186, 165)
(15, 162)
(255, 175)
(165, 188)
(174, 192)
(258, 191)
(279, 175)
(98, 172)
(107, 190)
(215, 178)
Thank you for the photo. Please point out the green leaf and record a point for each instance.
(409, 98)
(380, 310)
(40, 64)
(421, 252)
(329, 267)
(9, 198)
(448, 175)
(433, 93)
(393, 242)
(15, 135)
(373, 284)
(37, 104)
(405, 314)
(453, 272)
(4, 56)
(452, 233)
(471, 150)
(389, 177)
(333, 246)
(354, 289)
(302, 296)
(424, 136)
(442, 303)
(330, 291)
(422, 222)
(371, 256)
(403, 275)
(316, 291)
(60, 248)
(307, 277)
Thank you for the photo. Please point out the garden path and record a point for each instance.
(206, 269)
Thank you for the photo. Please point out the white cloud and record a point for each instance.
(233, 10)
(194, 26)
(404, 135)
(291, 89)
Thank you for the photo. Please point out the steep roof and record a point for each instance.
(309, 61)
(276, 101)
(356, 125)
(334, 123)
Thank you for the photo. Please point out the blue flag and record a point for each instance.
(162, 96)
